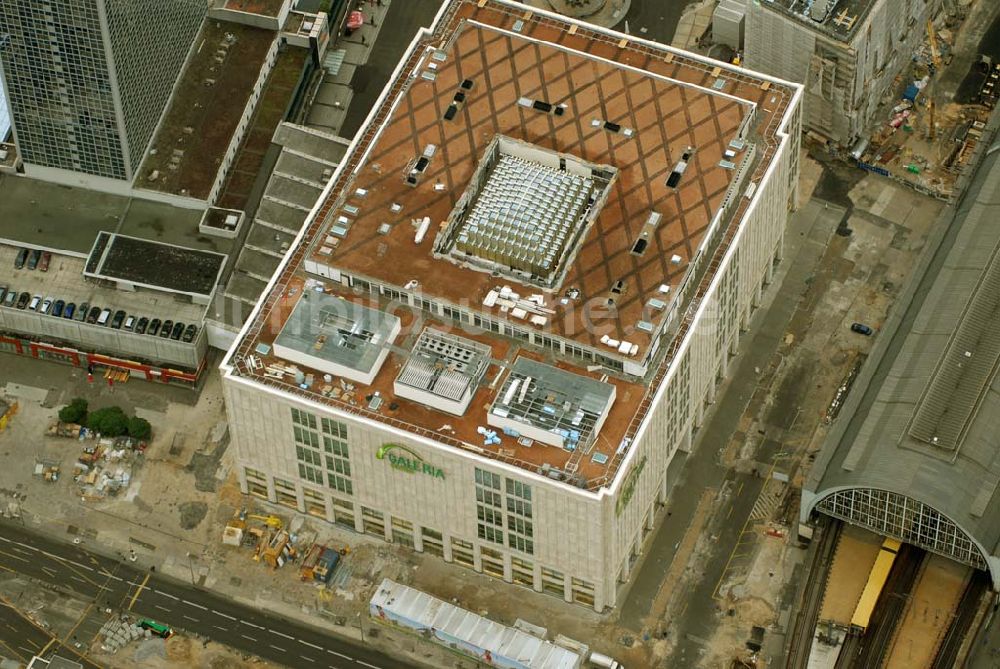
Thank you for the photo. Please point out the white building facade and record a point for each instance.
(514, 524)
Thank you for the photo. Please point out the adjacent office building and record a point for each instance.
(516, 295)
(87, 80)
(846, 52)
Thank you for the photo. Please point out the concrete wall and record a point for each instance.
(101, 339)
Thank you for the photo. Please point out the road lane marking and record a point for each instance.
(162, 608)
(108, 574)
(373, 666)
(287, 636)
(277, 648)
(251, 625)
(307, 658)
(311, 645)
(19, 550)
(138, 592)
(190, 618)
(14, 557)
(50, 572)
(224, 615)
(167, 594)
(341, 655)
(77, 578)
(224, 629)
(197, 606)
(248, 637)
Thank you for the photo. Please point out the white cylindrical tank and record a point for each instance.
(604, 662)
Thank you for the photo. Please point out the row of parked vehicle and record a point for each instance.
(86, 313)
(33, 259)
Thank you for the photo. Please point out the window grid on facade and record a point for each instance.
(61, 77)
(338, 464)
(906, 519)
(520, 531)
(489, 506)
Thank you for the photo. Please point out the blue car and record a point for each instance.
(68, 311)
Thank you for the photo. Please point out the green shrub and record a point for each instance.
(74, 412)
(110, 421)
(139, 428)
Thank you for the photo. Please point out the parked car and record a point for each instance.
(81, 312)
(10, 299)
(36, 301)
(22, 257)
(140, 327)
(165, 330)
(861, 328)
(94, 314)
(43, 264)
(22, 301)
(178, 330)
(104, 317)
(154, 327)
(3, 293)
(46, 305)
(33, 259)
(57, 308)
(129, 323)
(118, 319)
(69, 310)
(189, 334)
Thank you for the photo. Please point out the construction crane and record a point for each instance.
(932, 38)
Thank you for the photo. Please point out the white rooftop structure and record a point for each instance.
(498, 644)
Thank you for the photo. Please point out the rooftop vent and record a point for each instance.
(820, 9)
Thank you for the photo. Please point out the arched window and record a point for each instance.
(904, 518)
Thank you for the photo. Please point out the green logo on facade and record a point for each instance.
(402, 458)
(628, 486)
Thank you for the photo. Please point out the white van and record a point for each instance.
(103, 318)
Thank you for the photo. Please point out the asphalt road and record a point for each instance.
(119, 585)
(21, 639)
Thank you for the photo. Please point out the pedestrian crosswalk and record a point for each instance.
(767, 502)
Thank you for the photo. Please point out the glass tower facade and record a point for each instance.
(87, 80)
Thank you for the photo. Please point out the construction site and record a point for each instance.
(900, 89)
(271, 540)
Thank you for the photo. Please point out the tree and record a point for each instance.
(74, 412)
(139, 428)
(109, 421)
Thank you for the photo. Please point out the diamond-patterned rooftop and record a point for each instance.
(665, 118)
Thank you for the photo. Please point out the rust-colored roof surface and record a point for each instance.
(262, 7)
(665, 97)
(667, 117)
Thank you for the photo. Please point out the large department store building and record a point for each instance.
(516, 296)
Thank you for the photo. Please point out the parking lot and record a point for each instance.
(64, 281)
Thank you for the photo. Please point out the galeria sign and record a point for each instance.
(402, 458)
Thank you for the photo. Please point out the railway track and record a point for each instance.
(875, 642)
(812, 595)
(961, 624)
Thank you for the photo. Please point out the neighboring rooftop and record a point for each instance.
(926, 426)
(206, 108)
(150, 264)
(837, 18)
(34, 213)
(262, 7)
(646, 111)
